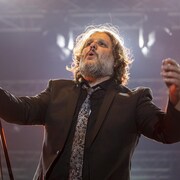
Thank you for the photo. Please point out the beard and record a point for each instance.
(96, 69)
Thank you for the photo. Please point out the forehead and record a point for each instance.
(100, 36)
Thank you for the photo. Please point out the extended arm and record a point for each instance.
(24, 110)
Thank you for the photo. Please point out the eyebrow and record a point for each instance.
(100, 39)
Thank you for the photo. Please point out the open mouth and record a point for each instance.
(91, 54)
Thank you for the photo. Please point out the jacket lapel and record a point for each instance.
(73, 98)
(73, 95)
(68, 112)
(106, 104)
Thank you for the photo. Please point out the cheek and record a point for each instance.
(106, 55)
(84, 51)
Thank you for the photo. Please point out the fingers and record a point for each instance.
(170, 61)
(170, 71)
(170, 65)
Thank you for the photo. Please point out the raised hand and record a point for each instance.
(170, 71)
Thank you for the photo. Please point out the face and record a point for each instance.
(97, 59)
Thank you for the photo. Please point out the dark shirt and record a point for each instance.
(60, 169)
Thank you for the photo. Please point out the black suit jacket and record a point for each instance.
(124, 115)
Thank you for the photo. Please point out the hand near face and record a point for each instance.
(170, 71)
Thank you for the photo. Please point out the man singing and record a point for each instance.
(93, 123)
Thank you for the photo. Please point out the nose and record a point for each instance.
(93, 46)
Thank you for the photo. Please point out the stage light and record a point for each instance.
(65, 45)
(146, 41)
(60, 41)
(145, 51)
(168, 31)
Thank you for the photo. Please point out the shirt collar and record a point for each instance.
(103, 85)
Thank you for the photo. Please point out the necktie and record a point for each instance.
(77, 152)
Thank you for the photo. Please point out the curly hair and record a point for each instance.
(121, 54)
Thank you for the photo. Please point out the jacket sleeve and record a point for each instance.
(155, 123)
(170, 125)
(24, 110)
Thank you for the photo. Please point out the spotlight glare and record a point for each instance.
(141, 38)
(71, 41)
(168, 31)
(60, 41)
(145, 51)
(151, 39)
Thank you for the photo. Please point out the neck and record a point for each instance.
(93, 82)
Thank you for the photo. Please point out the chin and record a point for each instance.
(90, 60)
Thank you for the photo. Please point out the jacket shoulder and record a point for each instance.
(61, 82)
(137, 91)
(143, 92)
